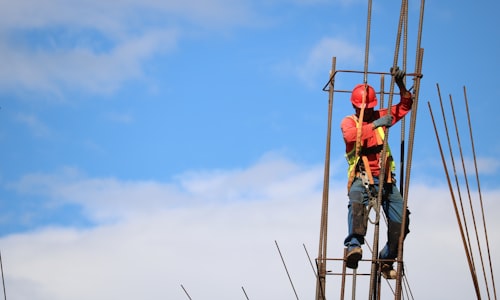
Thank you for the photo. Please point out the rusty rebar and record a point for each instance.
(374, 287)
(367, 40)
(473, 215)
(419, 55)
(452, 157)
(467, 253)
(323, 235)
(479, 192)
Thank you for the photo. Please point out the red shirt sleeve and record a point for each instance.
(349, 132)
(399, 110)
(368, 134)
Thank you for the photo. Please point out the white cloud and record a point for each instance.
(109, 198)
(113, 16)
(82, 67)
(97, 45)
(318, 62)
(485, 165)
(214, 232)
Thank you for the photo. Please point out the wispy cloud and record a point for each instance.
(315, 66)
(34, 124)
(81, 67)
(124, 118)
(173, 233)
(109, 198)
(485, 165)
(96, 46)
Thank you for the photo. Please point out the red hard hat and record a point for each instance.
(357, 96)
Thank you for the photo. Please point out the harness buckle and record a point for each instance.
(372, 197)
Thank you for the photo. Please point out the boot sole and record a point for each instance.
(353, 259)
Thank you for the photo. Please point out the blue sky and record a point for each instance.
(148, 144)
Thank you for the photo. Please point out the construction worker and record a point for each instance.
(364, 171)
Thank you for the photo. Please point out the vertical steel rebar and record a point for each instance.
(367, 40)
(383, 159)
(323, 236)
(418, 70)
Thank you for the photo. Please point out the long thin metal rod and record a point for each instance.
(310, 261)
(480, 194)
(354, 284)
(286, 269)
(403, 24)
(418, 76)
(321, 296)
(474, 279)
(379, 199)
(367, 40)
(3, 278)
(244, 292)
(185, 292)
(382, 176)
(323, 235)
(419, 56)
(344, 268)
(403, 121)
(467, 241)
(409, 293)
(473, 215)
(452, 157)
(405, 193)
(325, 87)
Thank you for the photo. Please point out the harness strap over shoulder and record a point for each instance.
(353, 160)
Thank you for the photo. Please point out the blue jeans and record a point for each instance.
(392, 204)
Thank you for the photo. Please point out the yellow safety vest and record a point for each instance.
(353, 160)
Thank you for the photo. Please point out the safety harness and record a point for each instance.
(360, 167)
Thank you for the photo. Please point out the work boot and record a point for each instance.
(354, 254)
(388, 272)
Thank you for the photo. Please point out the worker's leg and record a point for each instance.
(356, 220)
(393, 208)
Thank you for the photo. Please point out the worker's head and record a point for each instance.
(359, 92)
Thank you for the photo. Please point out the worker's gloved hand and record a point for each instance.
(399, 75)
(383, 121)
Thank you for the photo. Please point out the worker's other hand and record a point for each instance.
(399, 75)
(383, 121)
